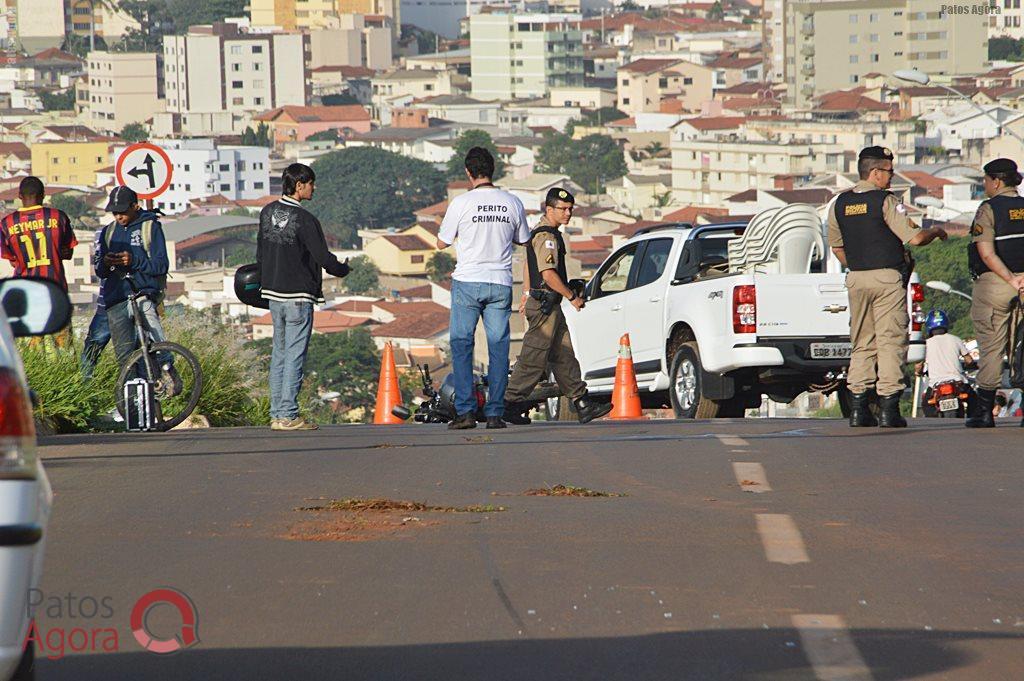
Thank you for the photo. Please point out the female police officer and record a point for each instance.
(996, 261)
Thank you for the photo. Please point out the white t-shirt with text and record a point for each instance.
(483, 224)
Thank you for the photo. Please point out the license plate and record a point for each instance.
(949, 404)
(830, 350)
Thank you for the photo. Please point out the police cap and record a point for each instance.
(883, 153)
(556, 194)
(1000, 166)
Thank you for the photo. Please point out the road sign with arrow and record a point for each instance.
(146, 168)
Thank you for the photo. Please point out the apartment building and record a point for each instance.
(121, 88)
(202, 168)
(105, 20)
(399, 87)
(70, 163)
(1009, 22)
(834, 44)
(644, 84)
(38, 24)
(352, 43)
(516, 56)
(223, 72)
(707, 171)
(291, 15)
(898, 136)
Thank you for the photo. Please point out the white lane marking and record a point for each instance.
(781, 539)
(751, 477)
(830, 649)
(732, 441)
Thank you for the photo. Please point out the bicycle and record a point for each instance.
(171, 369)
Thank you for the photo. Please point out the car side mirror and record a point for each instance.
(34, 306)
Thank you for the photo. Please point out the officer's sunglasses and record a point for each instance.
(887, 170)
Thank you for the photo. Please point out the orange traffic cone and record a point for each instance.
(388, 395)
(625, 395)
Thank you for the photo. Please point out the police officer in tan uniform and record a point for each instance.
(868, 229)
(547, 341)
(996, 261)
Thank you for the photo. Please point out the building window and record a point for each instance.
(416, 259)
(687, 81)
(236, 67)
(429, 87)
(625, 101)
(854, 39)
(873, 18)
(236, 49)
(257, 101)
(874, 58)
(853, 18)
(625, 81)
(257, 49)
(854, 59)
(237, 101)
(187, 167)
(854, 79)
(99, 159)
(237, 84)
(225, 187)
(663, 82)
(257, 185)
(873, 38)
(188, 187)
(257, 83)
(257, 66)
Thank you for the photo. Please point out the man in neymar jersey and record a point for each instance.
(36, 239)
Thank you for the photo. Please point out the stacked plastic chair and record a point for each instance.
(779, 241)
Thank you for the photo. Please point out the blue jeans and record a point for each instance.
(293, 325)
(95, 340)
(493, 302)
(122, 330)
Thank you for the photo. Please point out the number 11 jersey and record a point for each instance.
(33, 240)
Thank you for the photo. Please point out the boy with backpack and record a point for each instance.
(133, 245)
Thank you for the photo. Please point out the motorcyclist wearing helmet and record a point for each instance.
(946, 356)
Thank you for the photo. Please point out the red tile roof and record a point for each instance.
(646, 66)
(407, 242)
(411, 309)
(363, 306)
(848, 101)
(437, 209)
(424, 291)
(316, 114)
(423, 326)
(631, 229)
(324, 321)
(691, 213)
(715, 123)
(735, 62)
(16, 149)
(55, 54)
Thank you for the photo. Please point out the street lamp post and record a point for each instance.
(946, 288)
(921, 78)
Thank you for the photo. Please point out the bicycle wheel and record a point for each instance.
(176, 387)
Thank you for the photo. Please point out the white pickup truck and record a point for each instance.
(710, 343)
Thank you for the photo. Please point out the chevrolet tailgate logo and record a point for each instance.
(834, 309)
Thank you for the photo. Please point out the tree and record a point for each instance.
(440, 267)
(1005, 48)
(361, 187)
(363, 275)
(342, 99)
(329, 135)
(655, 149)
(594, 117)
(716, 13)
(466, 141)
(947, 261)
(134, 132)
(58, 101)
(589, 162)
(79, 45)
(663, 200)
(191, 12)
(72, 205)
(155, 21)
(260, 137)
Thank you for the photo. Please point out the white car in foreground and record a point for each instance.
(30, 307)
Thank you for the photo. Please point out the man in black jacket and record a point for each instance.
(290, 252)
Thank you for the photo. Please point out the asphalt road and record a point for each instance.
(826, 553)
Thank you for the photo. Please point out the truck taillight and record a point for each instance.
(744, 309)
(17, 430)
(916, 311)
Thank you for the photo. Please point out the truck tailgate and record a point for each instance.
(802, 305)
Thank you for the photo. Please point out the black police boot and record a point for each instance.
(515, 413)
(587, 411)
(463, 422)
(889, 412)
(981, 415)
(495, 422)
(860, 410)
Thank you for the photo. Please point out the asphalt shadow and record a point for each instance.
(719, 655)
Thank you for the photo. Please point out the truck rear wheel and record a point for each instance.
(685, 386)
